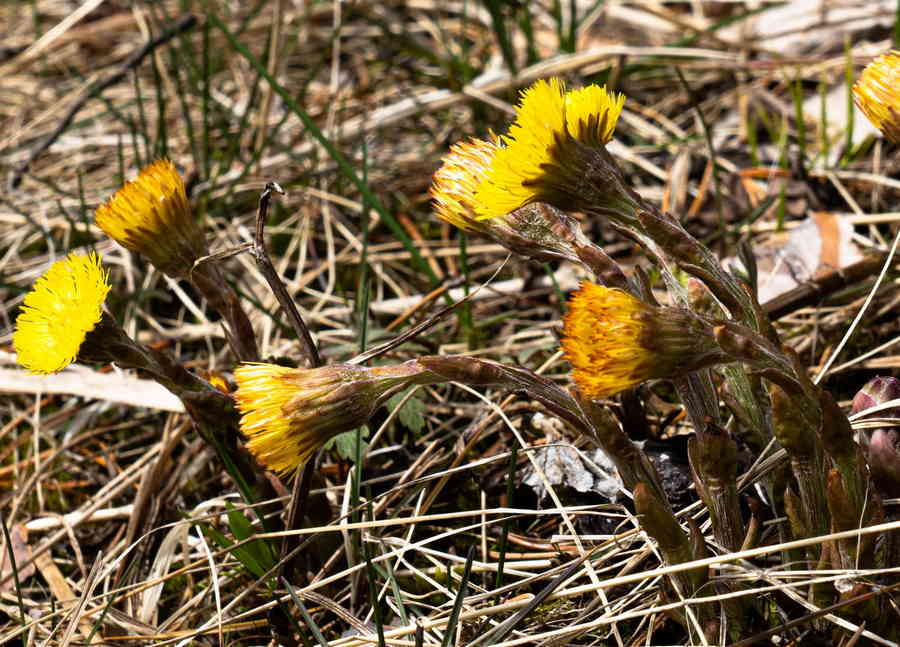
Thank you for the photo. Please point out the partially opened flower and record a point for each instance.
(615, 341)
(454, 184)
(65, 304)
(536, 230)
(555, 152)
(290, 413)
(877, 93)
(151, 216)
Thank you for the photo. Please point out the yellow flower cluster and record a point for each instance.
(149, 215)
(64, 305)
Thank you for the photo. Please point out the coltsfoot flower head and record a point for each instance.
(877, 94)
(615, 341)
(454, 184)
(287, 414)
(65, 304)
(536, 230)
(151, 216)
(555, 152)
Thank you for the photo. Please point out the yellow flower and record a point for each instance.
(615, 341)
(454, 184)
(602, 340)
(539, 158)
(151, 216)
(264, 392)
(536, 230)
(290, 413)
(65, 304)
(877, 94)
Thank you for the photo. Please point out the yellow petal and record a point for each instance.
(540, 120)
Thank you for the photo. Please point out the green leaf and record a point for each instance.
(345, 444)
(412, 414)
(257, 556)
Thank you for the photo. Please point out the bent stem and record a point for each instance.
(261, 256)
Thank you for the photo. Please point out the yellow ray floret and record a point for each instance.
(546, 116)
(604, 333)
(151, 216)
(877, 93)
(64, 305)
(453, 188)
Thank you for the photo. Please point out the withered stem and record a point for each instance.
(261, 256)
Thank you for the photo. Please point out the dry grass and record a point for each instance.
(118, 516)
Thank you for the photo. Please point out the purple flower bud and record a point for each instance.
(884, 461)
(877, 391)
(880, 445)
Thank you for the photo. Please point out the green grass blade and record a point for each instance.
(345, 167)
(848, 78)
(307, 618)
(498, 24)
(453, 620)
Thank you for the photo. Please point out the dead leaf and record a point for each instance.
(563, 464)
(21, 551)
(79, 380)
(819, 245)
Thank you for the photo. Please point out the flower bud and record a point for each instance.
(877, 391)
(881, 445)
(884, 460)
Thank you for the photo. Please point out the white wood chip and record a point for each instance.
(78, 380)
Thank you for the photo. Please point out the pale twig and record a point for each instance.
(862, 311)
